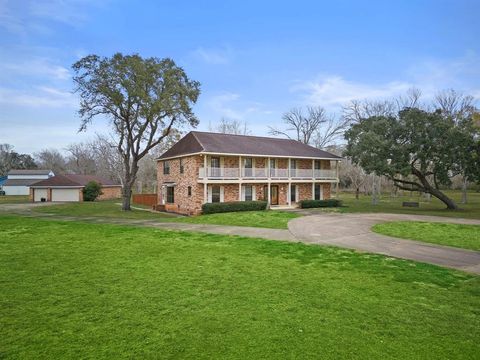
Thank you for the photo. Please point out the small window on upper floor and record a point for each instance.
(166, 168)
(189, 191)
(181, 165)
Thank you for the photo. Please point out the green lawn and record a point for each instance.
(72, 290)
(112, 209)
(390, 204)
(267, 219)
(462, 236)
(14, 199)
(107, 209)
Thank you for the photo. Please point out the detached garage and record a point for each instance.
(69, 188)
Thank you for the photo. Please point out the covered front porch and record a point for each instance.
(277, 194)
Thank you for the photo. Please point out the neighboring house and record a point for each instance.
(209, 167)
(19, 181)
(69, 188)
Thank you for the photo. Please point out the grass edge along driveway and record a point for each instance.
(456, 235)
(119, 291)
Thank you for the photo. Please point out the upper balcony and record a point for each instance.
(225, 173)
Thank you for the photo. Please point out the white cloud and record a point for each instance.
(41, 96)
(37, 67)
(32, 16)
(430, 76)
(214, 56)
(335, 90)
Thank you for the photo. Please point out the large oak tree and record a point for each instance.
(418, 150)
(144, 99)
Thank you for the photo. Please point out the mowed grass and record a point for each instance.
(71, 290)
(14, 199)
(388, 204)
(457, 235)
(274, 219)
(107, 209)
(112, 209)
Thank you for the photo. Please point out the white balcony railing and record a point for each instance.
(262, 173)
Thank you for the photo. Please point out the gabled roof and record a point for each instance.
(73, 181)
(29, 172)
(19, 182)
(198, 142)
(85, 179)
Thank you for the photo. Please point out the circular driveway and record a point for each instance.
(353, 231)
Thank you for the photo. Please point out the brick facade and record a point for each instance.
(191, 204)
(109, 192)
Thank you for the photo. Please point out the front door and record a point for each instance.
(274, 195)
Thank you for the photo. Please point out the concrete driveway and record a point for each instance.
(353, 231)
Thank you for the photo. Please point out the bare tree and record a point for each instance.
(355, 175)
(235, 127)
(330, 131)
(316, 127)
(455, 104)
(357, 110)
(51, 159)
(107, 158)
(81, 159)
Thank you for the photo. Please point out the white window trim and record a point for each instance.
(209, 193)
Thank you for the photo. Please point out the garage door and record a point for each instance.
(65, 195)
(38, 194)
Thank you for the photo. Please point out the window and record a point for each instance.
(166, 168)
(189, 191)
(293, 193)
(248, 192)
(317, 165)
(181, 166)
(318, 192)
(248, 165)
(215, 166)
(273, 165)
(215, 194)
(293, 167)
(170, 195)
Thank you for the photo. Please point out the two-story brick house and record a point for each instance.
(210, 167)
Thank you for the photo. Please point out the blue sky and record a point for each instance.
(255, 59)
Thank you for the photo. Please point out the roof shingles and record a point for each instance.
(196, 141)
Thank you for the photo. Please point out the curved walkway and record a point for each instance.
(353, 231)
(350, 231)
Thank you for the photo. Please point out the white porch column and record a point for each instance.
(336, 185)
(313, 190)
(239, 191)
(268, 195)
(289, 194)
(240, 175)
(205, 193)
(268, 169)
(313, 168)
(205, 169)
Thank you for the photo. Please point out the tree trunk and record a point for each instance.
(451, 205)
(464, 191)
(357, 193)
(126, 196)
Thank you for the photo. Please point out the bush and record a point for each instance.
(91, 191)
(307, 204)
(212, 208)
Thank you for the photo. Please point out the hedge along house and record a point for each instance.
(69, 188)
(210, 167)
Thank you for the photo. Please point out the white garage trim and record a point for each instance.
(38, 194)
